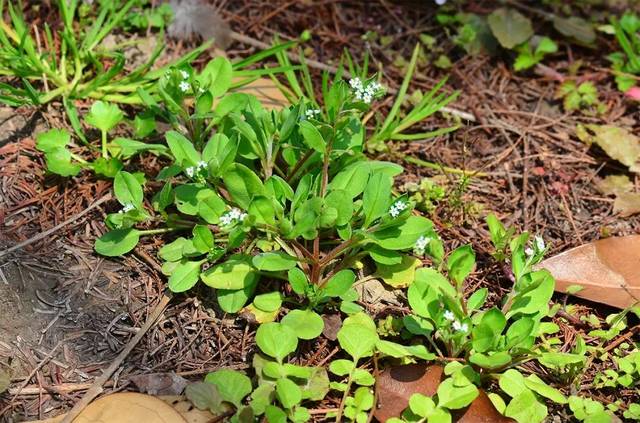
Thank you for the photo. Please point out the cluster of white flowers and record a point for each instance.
(232, 216)
(421, 245)
(363, 93)
(456, 325)
(396, 208)
(127, 208)
(193, 170)
(311, 113)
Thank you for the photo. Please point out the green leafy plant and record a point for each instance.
(529, 56)
(283, 196)
(626, 63)
(582, 97)
(489, 343)
(81, 68)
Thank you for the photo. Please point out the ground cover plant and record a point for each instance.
(328, 243)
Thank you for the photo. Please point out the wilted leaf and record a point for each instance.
(510, 27)
(607, 269)
(614, 184)
(396, 385)
(399, 275)
(160, 383)
(481, 410)
(5, 380)
(332, 324)
(627, 203)
(576, 28)
(618, 143)
(129, 407)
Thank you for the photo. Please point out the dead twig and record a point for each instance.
(48, 232)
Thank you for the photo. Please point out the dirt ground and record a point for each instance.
(66, 313)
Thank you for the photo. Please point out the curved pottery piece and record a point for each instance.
(607, 269)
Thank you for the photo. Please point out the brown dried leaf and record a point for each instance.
(614, 184)
(129, 407)
(617, 142)
(607, 269)
(177, 408)
(160, 383)
(627, 203)
(481, 410)
(332, 324)
(396, 385)
(267, 93)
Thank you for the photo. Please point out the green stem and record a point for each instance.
(79, 159)
(345, 395)
(105, 152)
(156, 231)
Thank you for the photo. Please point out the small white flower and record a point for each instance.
(460, 327)
(202, 165)
(356, 84)
(397, 208)
(421, 245)
(184, 74)
(449, 315)
(232, 216)
(311, 113)
(440, 2)
(184, 86)
(539, 241)
(127, 208)
(225, 219)
(190, 171)
(528, 251)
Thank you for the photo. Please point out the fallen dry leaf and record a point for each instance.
(607, 270)
(617, 142)
(160, 383)
(614, 184)
(481, 410)
(267, 93)
(396, 385)
(627, 203)
(136, 408)
(332, 324)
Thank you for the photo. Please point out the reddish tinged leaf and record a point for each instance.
(607, 269)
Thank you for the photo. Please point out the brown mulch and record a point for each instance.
(538, 177)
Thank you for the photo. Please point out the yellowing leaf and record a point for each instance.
(399, 275)
(618, 143)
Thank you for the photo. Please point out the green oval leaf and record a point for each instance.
(276, 340)
(307, 324)
(274, 261)
(117, 242)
